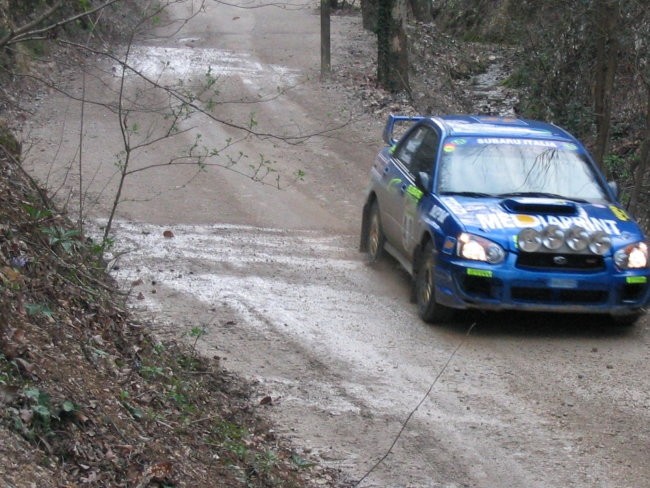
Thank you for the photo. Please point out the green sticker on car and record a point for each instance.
(636, 280)
(482, 273)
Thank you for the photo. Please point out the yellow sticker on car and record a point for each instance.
(619, 213)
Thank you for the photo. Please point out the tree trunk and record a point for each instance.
(607, 17)
(325, 39)
(644, 161)
(369, 10)
(422, 10)
(392, 46)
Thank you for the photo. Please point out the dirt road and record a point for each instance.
(271, 282)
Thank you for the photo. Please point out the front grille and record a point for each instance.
(560, 262)
(565, 297)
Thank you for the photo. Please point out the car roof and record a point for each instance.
(496, 126)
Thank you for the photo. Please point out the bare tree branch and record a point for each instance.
(25, 33)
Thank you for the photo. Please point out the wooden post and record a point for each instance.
(325, 42)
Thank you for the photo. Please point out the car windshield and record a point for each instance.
(517, 167)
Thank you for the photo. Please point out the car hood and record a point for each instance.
(501, 219)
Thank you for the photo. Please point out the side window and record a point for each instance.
(418, 152)
(406, 152)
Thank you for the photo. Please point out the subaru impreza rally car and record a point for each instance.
(500, 213)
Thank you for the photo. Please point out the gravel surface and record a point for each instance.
(274, 278)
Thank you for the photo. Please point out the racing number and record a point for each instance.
(412, 198)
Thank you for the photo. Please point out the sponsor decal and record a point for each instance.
(449, 147)
(438, 214)
(414, 192)
(562, 283)
(619, 213)
(459, 142)
(636, 280)
(502, 220)
(454, 205)
(499, 119)
(394, 184)
(482, 273)
(448, 246)
(515, 142)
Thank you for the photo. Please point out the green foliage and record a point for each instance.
(197, 333)
(99, 248)
(264, 462)
(5, 370)
(617, 166)
(60, 237)
(300, 462)
(68, 407)
(229, 431)
(37, 213)
(41, 407)
(178, 394)
(39, 414)
(136, 412)
(151, 371)
(38, 309)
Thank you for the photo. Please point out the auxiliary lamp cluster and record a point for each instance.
(576, 239)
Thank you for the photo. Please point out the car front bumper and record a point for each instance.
(463, 284)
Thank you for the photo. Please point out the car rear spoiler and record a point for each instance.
(394, 120)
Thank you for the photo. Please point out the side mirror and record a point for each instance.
(613, 186)
(423, 181)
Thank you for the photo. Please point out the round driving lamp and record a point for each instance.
(494, 254)
(621, 259)
(529, 240)
(577, 239)
(552, 237)
(600, 243)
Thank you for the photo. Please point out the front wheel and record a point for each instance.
(628, 320)
(376, 238)
(425, 290)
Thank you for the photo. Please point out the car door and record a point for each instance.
(421, 161)
(415, 153)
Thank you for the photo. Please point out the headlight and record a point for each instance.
(634, 256)
(479, 249)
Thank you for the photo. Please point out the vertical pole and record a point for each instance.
(325, 51)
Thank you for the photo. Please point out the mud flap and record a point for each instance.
(417, 257)
(363, 242)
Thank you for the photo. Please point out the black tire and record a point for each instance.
(375, 238)
(425, 296)
(626, 320)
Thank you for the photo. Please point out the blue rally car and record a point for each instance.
(501, 213)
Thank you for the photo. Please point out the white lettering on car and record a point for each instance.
(502, 220)
(516, 142)
(438, 214)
